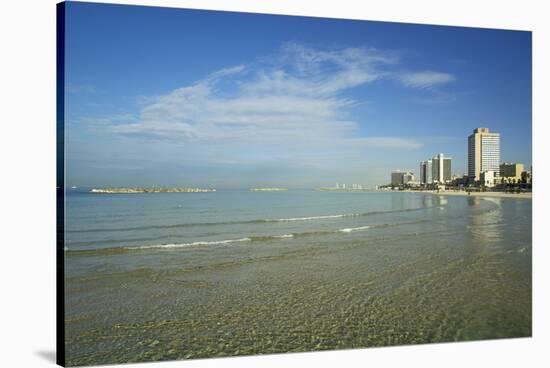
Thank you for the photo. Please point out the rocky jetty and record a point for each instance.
(152, 190)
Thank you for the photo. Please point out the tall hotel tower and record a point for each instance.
(483, 153)
(436, 170)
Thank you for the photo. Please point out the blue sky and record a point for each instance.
(175, 97)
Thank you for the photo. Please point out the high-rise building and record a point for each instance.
(436, 170)
(426, 176)
(441, 168)
(401, 177)
(483, 153)
(396, 178)
(447, 177)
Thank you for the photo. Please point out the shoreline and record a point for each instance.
(475, 194)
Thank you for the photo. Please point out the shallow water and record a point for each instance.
(188, 275)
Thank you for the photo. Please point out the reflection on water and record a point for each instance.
(486, 224)
(427, 201)
(473, 201)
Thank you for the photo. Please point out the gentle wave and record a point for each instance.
(119, 241)
(119, 250)
(314, 217)
(284, 236)
(183, 245)
(350, 229)
(256, 221)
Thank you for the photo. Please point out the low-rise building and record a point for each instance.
(487, 178)
(511, 170)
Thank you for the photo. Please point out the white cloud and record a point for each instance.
(225, 72)
(425, 79)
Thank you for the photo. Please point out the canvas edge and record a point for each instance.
(60, 184)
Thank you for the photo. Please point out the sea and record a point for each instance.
(166, 276)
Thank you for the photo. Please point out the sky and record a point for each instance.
(178, 97)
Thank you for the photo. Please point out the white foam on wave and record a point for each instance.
(350, 229)
(183, 245)
(314, 217)
(284, 236)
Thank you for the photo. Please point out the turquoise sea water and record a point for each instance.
(160, 276)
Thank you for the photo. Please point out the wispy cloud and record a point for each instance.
(272, 102)
(425, 79)
(292, 106)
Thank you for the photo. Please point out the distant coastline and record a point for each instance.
(151, 190)
(268, 189)
(344, 190)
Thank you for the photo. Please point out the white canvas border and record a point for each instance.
(27, 145)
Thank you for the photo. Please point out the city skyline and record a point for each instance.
(260, 100)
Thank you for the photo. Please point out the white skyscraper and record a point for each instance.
(483, 153)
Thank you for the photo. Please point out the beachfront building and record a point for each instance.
(510, 170)
(483, 153)
(458, 181)
(396, 178)
(441, 169)
(399, 177)
(487, 178)
(408, 177)
(436, 170)
(426, 172)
